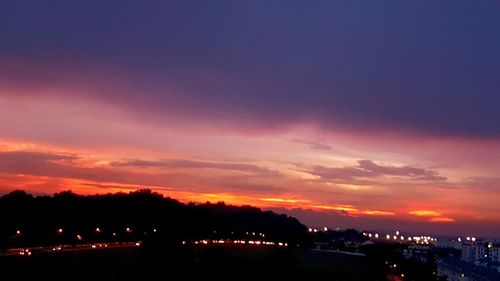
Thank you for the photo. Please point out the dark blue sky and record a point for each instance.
(429, 66)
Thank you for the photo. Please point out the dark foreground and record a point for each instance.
(188, 263)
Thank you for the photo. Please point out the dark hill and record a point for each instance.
(139, 215)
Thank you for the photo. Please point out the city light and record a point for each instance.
(97, 229)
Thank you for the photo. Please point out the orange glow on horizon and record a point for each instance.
(94, 171)
(282, 200)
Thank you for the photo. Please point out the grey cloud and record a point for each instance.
(196, 164)
(367, 169)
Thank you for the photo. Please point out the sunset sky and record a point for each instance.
(368, 114)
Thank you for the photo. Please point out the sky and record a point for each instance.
(366, 114)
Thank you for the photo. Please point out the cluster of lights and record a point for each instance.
(395, 267)
(468, 238)
(244, 242)
(29, 252)
(251, 233)
(316, 230)
(25, 252)
(425, 240)
(79, 237)
(371, 235)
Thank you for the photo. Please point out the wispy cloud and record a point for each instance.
(313, 144)
(431, 216)
(368, 169)
(196, 164)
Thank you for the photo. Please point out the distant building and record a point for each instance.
(467, 252)
(494, 252)
(487, 252)
(479, 251)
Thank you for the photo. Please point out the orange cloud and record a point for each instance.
(434, 216)
(378, 213)
(424, 213)
(441, 219)
(346, 208)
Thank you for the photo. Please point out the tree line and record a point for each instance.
(70, 218)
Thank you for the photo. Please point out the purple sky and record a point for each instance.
(380, 110)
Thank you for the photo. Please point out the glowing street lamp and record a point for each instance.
(98, 230)
(60, 231)
(128, 229)
(18, 232)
